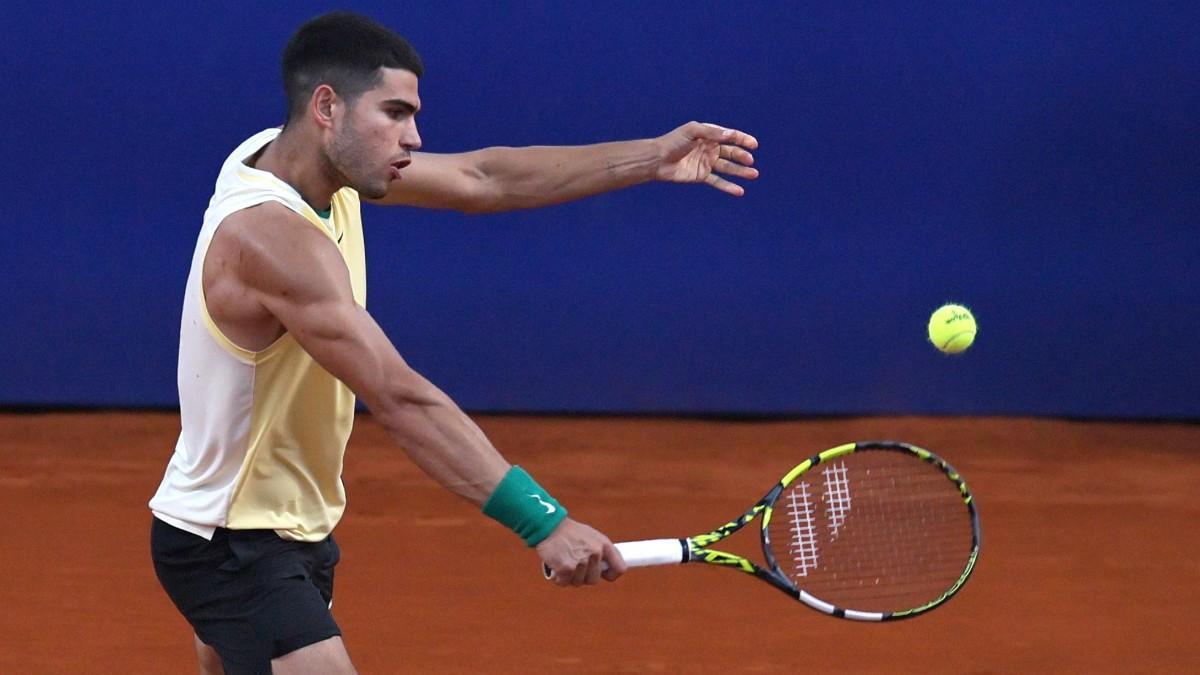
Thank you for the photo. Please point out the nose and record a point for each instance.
(410, 138)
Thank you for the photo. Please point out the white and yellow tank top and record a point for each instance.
(263, 432)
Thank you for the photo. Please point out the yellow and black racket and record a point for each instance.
(873, 531)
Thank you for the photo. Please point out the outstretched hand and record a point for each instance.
(698, 152)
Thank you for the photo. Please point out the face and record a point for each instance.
(371, 139)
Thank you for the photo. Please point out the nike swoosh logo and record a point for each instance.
(550, 508)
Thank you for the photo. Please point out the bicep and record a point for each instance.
(297, 274)
(439, 181)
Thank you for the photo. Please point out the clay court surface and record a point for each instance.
(1089, 562)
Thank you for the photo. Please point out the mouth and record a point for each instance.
(397, 166)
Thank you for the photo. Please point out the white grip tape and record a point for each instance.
(651, 552)
(644, 553)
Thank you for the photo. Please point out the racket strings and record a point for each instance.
(872, 531)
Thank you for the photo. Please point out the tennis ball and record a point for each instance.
(952, 329)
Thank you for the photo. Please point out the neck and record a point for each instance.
(291, 158)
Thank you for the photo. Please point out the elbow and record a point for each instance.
(484, 187)
(496, 200)
(482, 198)
(477, 208)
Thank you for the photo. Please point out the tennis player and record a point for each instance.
(275, 343)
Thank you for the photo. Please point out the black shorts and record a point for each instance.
(249, 594)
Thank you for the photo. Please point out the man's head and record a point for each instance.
(355, 82)
(345, 51)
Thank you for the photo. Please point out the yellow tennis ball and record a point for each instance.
(952, 329)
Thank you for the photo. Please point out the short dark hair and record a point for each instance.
(344, 50)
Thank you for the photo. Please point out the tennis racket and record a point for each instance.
(872, 531)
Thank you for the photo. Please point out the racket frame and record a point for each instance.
(696, 548)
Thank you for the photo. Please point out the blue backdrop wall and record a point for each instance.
(1037, 161)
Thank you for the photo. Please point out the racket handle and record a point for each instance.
(644, 553)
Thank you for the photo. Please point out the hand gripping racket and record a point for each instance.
(872, 531)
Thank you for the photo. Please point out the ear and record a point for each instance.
(322, 105)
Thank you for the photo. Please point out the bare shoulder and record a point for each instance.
(263, 265)
(239, 247)
(270, 247)
(258, 230)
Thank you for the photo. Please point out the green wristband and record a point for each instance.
(521, 505)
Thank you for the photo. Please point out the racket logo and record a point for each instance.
(836, 497)
(550, 508)
(803, 545)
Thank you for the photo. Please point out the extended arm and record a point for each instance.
(504, 179)
(296, 274)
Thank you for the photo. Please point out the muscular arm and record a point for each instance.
(271, 271)
(503, 179)
(296, 274)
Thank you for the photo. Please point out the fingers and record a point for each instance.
(726, 166)
(577, 555)
(713, 132)
(733, 156)
(605, 563)
(614, 563)
(593, 570)
(571, 576)
(579, 576)
(736, 154)
(586, 573)
(561, 576)
(724, 185)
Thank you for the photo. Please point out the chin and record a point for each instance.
(372, 191)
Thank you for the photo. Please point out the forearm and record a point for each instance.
(423, 420)
(529, 177)
(444, 442)
(304, 284)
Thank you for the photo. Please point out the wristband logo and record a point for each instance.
(550, 508)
